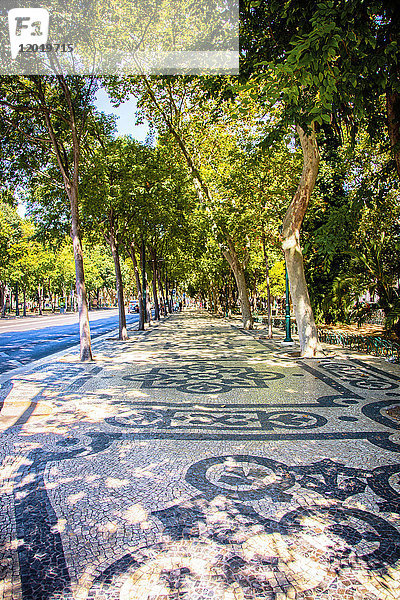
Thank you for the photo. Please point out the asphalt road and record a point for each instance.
(25, 340)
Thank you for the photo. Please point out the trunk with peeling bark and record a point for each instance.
(63, 109)
(70, 174)
(307, 330)
(393, 118)
(122, 331)
(83, 310)
(138, 285)
(239, 273)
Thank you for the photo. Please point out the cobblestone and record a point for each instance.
(196, 462)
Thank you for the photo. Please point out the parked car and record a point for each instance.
(133, 306)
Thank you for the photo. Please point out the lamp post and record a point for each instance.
(288, 337)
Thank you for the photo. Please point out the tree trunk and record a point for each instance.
(3, 299)
(39, 300)
(145, 291)
(226, 300)
(73, 303)
(24, 310)
(253, 303)
(268, 287)
(393, 118)
(148, 303)
(210, 302)
(70, 175)
(84, 326)
(238, 271)
(138, 285)
(307, 330)
(16, 300)
(155, 296)
(160, 287)
(217, 303)
(230, 296)
(123, 334)
(167, 293)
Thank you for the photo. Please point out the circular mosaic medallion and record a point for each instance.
(241, 476)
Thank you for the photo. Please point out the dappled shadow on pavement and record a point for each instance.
(195, 462)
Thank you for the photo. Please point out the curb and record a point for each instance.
(4, 377)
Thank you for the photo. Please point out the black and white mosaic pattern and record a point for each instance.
(234, 476)
(204, 378)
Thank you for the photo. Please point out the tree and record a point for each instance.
(10, 234)
(108, 175)
(325, 63)
(31, 262)
(352, 232)
(259, 182)
(175, 105)
(50, 115)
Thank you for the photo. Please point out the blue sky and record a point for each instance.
(126, 116)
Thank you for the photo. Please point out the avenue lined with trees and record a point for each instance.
(295, 161)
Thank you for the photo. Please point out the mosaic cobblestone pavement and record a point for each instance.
(197, 462)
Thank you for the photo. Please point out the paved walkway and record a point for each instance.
(198, 462)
